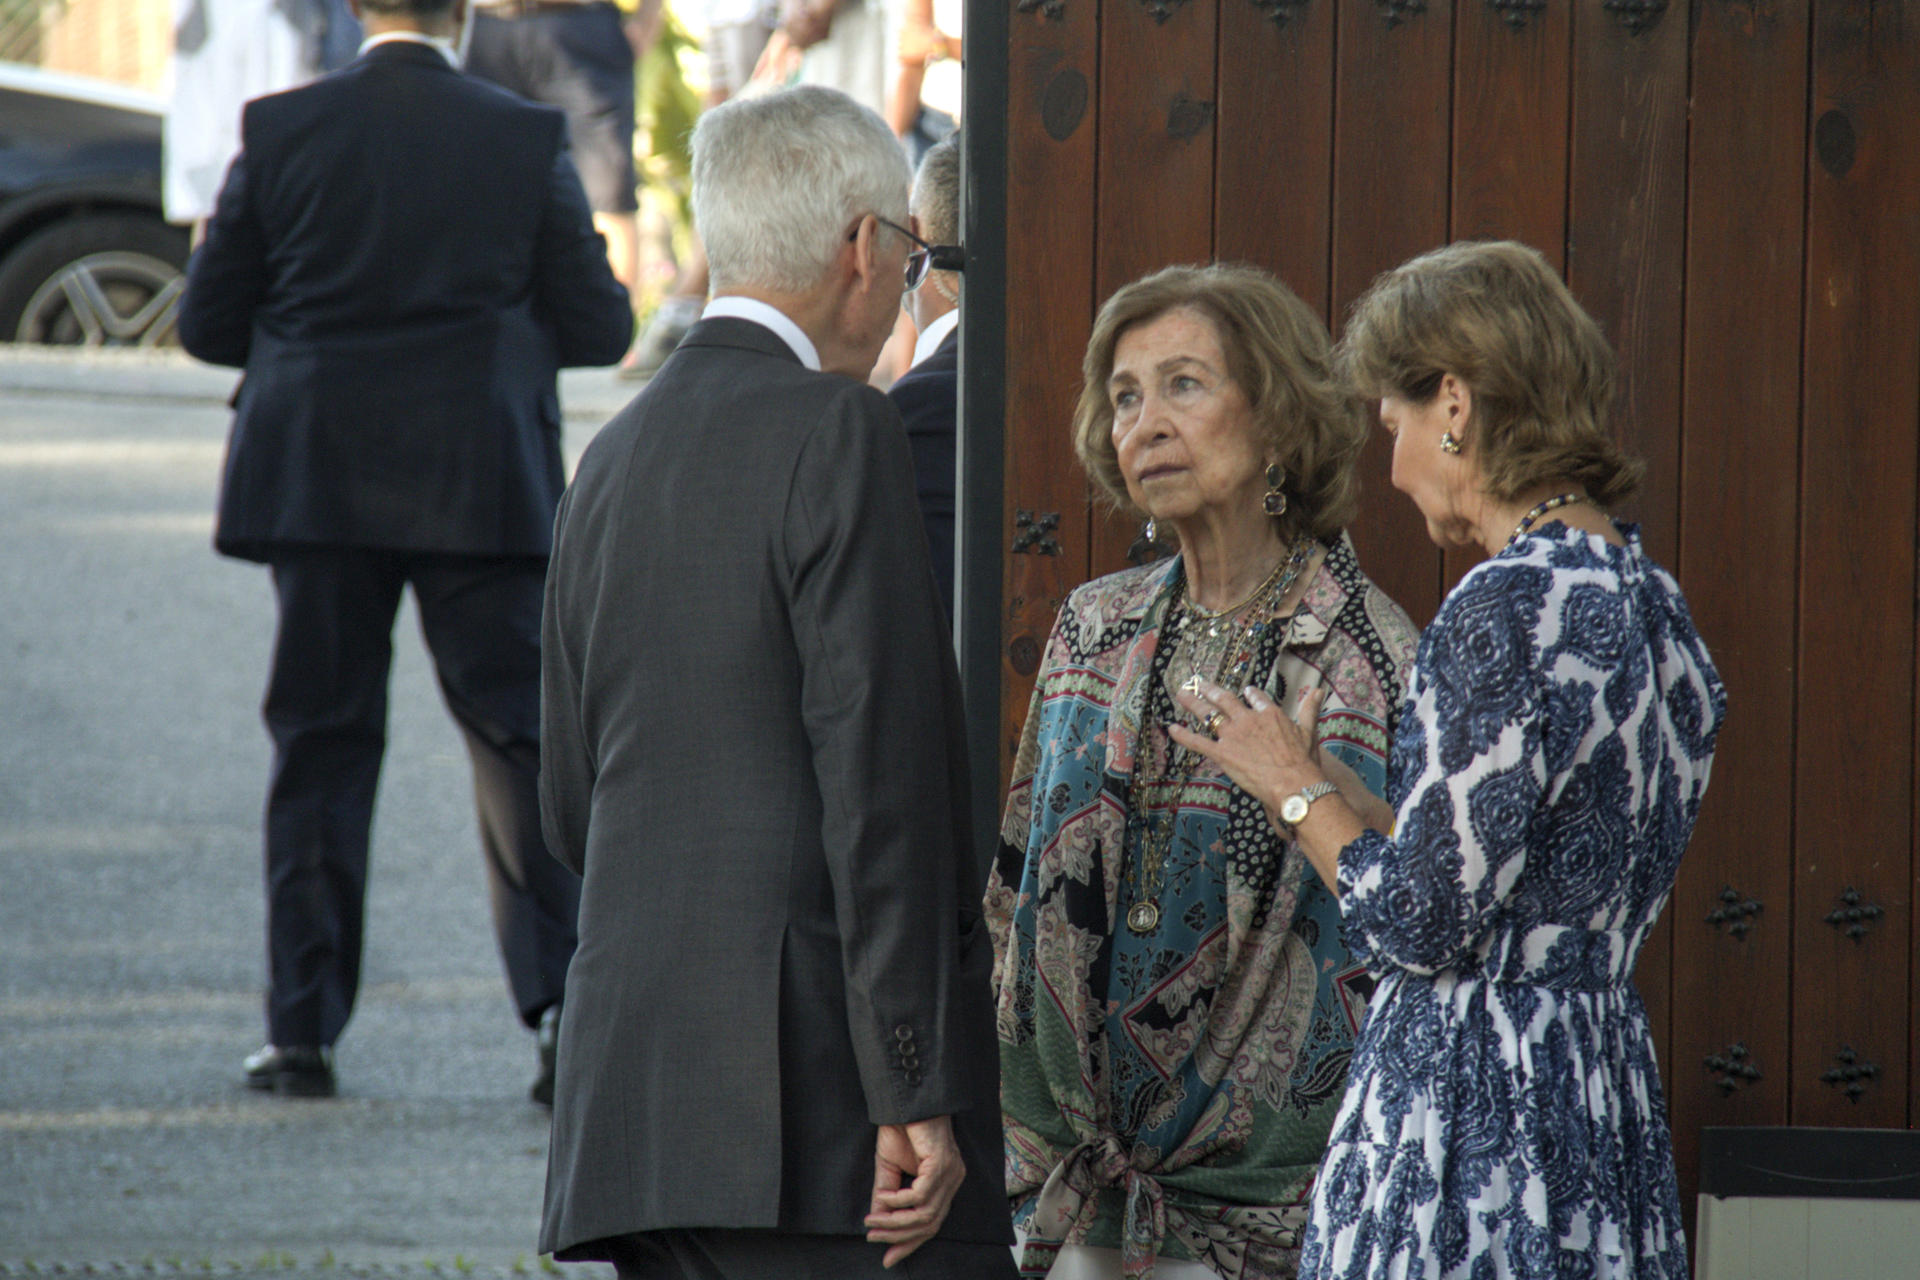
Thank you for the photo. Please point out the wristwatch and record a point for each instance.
(1293, 810)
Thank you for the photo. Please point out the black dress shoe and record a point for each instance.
(546, 1038)
(298, 1071)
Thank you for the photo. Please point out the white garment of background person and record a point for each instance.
(857, 57)
(737, 31)
(940, 90)
(225, 52)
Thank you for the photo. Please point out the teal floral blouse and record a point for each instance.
(1171, 1093)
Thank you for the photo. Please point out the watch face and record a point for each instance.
(1293, 809)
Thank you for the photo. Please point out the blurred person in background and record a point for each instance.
(925, 106)
(578, 55)
(737, 35)
(226, 52)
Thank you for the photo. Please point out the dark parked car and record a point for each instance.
(85, 256)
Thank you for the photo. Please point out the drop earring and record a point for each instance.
(1274, 501)
(1449, 443)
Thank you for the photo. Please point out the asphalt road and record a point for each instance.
(132, 766)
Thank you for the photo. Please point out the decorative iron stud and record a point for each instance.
(1398, 11)
(1853, 916)
(1732, 1068)
(1053, 10)
(1516, 13)
(1033, 533)
(1735, 914)
(1636, 16)
(1847, 1077)
(1280, 12)
(1162, 9)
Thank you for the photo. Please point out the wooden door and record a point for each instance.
(1733, 191)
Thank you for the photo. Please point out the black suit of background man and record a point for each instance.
(927, 397)
(401, 259)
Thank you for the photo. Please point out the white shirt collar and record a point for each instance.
(769, 317)
(935, 334)
(414, 37)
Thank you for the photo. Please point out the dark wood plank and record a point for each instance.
(1626, 235)
(1739, 475)
(1052, 91)
(1273, 186)
(1510, 104)
(1157, 118)
(1390, 203)
(1853, 818)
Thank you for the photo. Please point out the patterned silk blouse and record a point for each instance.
(1504, 1114)
(1170, 1092)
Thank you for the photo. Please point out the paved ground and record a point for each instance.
(132, 765)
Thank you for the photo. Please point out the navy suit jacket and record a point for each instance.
(928, 398)
(401, 259)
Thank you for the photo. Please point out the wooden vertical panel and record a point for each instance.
(1274, 155)
(1510, 103)
(1738, 476)
(1392, 108)
(1626, 229)
(1626, 235)
(1853, 822)
(1053, 76)
(1157, 119)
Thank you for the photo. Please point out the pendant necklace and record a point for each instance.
(1154, 797)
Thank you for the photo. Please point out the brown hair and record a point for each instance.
(1278, 355)
(1496, 316)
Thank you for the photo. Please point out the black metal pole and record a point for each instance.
(978, 607)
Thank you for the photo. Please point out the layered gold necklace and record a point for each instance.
(1218, 645)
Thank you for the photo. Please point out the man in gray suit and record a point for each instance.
(777, 1056)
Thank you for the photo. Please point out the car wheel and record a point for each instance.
(99, 280)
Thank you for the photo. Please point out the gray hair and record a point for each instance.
(936, 192)
(779, 179)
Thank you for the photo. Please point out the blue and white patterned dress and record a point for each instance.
(1503, 1114)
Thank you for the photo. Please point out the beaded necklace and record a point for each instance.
(1154, 791)
(1539, 509)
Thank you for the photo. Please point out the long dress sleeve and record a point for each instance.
(1467, 776)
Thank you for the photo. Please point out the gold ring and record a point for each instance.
(1213, 722)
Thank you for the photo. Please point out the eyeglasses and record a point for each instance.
(925, 260)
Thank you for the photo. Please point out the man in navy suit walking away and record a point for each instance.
(401, 259)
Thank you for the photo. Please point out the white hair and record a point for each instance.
(778, 180)
(936, 192)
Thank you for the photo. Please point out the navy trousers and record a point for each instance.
(326, 711)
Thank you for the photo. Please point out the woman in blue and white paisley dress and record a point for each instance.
(1503, 1114)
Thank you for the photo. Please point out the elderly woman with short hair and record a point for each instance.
(1175, 1006)
(1504, 1113)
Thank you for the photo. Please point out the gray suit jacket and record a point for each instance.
(752, 752)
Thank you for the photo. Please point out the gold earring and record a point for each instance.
(1448, 443)
(1274, 501)
(1150, 531)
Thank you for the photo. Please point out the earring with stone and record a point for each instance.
(1449, 443)
(1150, 532)
(1274, 501)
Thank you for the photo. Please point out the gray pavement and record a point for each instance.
(132, 765)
